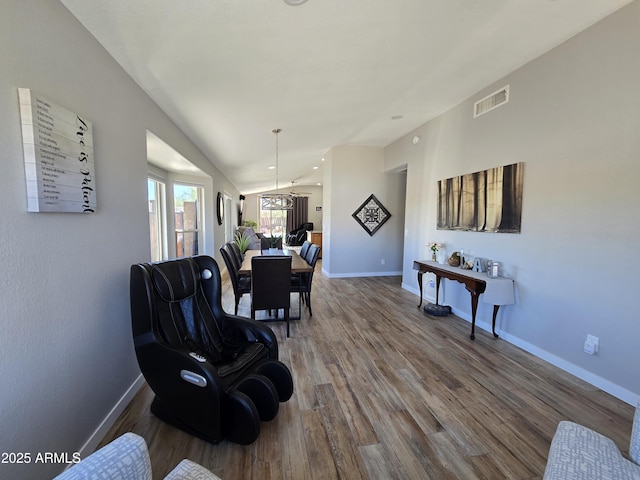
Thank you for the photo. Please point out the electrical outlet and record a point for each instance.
(382, 261)
(591, 345)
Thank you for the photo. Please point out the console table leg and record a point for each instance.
(420, 274)
(474, 309)
(493, 325)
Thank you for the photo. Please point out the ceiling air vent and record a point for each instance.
(490, 102)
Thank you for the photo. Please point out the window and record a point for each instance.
(188, 218)
(273, 221)
(157, 228)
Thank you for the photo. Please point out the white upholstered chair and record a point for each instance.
(127, 458)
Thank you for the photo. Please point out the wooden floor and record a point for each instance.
(383, 391)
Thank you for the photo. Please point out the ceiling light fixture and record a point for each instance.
(294, 3)
(277, 201)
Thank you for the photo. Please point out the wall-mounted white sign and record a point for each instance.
(58, 156)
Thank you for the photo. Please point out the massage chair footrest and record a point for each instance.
(280, 376)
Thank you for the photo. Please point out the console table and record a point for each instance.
(497, 291)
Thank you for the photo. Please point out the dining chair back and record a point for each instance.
(235, 249)
(240, 284)
(308, 256)
(302, 282)
(270, 284)
(305, 248)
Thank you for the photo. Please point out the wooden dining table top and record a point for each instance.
(298, 264)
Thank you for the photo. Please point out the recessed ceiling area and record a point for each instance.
(328, 72)
(165, 157)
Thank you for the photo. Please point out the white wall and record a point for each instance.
(352, 173)
(573, 118)
(65, 336)
(315, 200)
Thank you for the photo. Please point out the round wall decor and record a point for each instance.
(220, 209)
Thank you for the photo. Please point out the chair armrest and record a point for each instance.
(579, 452)
(239, 330)
(127, 455)
(162, 367)
(188, 470)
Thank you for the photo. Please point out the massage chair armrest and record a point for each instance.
(168, 369)
(239, 330)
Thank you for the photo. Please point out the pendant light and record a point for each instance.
(277, 201)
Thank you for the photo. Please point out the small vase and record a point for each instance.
(433, 257)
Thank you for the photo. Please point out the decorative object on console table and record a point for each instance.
(466, 261)
(479, 265)
(371, 215)
(435, 247)
(493, 269)
(454, 259)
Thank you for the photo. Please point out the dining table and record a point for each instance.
(298, 264)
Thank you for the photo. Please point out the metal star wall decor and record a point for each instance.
(371, 215)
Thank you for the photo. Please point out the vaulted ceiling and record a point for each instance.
(327, 72)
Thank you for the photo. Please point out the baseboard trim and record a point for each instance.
(361, 274)
(96, 437)
(589, 377)
(603, 384)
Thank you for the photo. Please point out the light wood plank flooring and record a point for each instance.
(383, 391)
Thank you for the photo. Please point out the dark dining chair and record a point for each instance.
(302, 282)
(241, 284)
(305, 248)
(270, 284)
(236, 252)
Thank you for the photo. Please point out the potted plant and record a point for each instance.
(249, 223)
(242, 240)
(274, 243)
